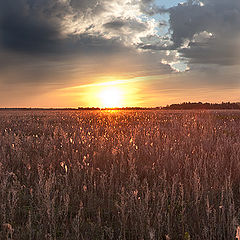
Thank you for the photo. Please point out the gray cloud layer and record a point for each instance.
(218, 20)
(203, 32)
(38, 27)
(42, 36)
(39, 39)
(54, 26)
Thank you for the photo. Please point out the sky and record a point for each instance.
(97, 53)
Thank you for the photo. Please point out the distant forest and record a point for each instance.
(200, 105)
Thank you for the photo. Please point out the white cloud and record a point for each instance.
(202, 37)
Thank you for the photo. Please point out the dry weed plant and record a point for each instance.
(150, 175)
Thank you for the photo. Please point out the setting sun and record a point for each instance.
(111, 97)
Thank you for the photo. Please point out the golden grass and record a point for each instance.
(120, 175)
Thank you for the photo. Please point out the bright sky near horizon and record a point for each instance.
(70, 53)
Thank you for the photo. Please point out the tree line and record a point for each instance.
(200, 105)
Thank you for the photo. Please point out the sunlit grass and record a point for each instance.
(120, 174)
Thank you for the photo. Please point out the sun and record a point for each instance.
(111, 97)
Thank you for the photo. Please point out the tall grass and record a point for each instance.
(120, 175)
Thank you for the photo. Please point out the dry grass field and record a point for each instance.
(119, 175)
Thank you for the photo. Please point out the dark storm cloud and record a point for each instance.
(116, 24)
(61, 28)
(28, 27)
(220, 18)
(34, 45)
(37, 27)
(88, 44)
(28, 34)
(212, 52)
(131, 24)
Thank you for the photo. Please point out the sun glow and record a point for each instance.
(107, 92)
(111, 97)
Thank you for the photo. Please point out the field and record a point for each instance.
(120, 175)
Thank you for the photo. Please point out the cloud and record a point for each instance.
(28, 26)
(210, 29)
(83, 5)
(31, 35)
(51, 26)
(41, 35)
(202, 32)
(55, 37)
(129, 24)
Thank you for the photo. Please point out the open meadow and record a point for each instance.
(120, 175)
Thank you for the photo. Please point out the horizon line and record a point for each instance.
(117, 108)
